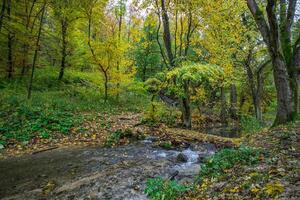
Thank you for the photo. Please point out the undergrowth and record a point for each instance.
(216, 165)
(160, 189)
(116, 136)
(250, 125)
(213, 167)
(23, 122)
(58, 106)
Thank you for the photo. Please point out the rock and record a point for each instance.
(173, 175)
(201, 157)
(182, 158)
(152, 138)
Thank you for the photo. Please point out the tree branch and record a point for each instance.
(260, 20)
(273, 24)
(291, 13)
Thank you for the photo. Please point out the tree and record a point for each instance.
(120, 10)
(173, 58)
(277, 37)
(146, 51)
(36, 49)
(167, 34)
(10, 37)
(191, 82)
(222, 32)
(29, 17)
(254, 71)
(65, 13)
(3, 6)
(107, 50)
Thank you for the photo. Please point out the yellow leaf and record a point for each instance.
(253, 174)
(254, 190)
(274, 188)
(292, 148)
(234, 190)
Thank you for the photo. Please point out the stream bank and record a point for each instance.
(97, 172)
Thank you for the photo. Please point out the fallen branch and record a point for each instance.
(43, 150)
(173, 175)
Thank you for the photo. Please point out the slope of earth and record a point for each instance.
(276, 176)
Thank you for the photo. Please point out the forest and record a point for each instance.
(149, 99)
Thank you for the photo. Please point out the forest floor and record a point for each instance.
(276, 176)
(84, 166)
(96, 131)
(78, 165)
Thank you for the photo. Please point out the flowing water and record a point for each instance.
(97, 173)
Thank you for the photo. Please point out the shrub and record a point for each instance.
(250, 124)
(116, 136)
(166, 145)
(159, 112)
(158, 189)
(216, 165)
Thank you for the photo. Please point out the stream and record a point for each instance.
(96, 172)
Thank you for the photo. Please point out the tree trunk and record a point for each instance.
(186, 109)
(296, 73)
(158, 41)
(233, 102)
(24, 60)
(144, 72)
(259, 91)
(105, 87)
(25, 64)
(36, 53)
(258, 111)
(102, 68)
(287, 13)
(63, 49)
(223, 114)
(285, 102)
(271, 35)
(118, 62)
(2, 13)
(256, 88)
(9, 57)
(167, 34)
(9, 46)
(189, 32)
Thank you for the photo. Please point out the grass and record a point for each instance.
(58, 106)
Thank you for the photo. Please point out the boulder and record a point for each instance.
(182, 158)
